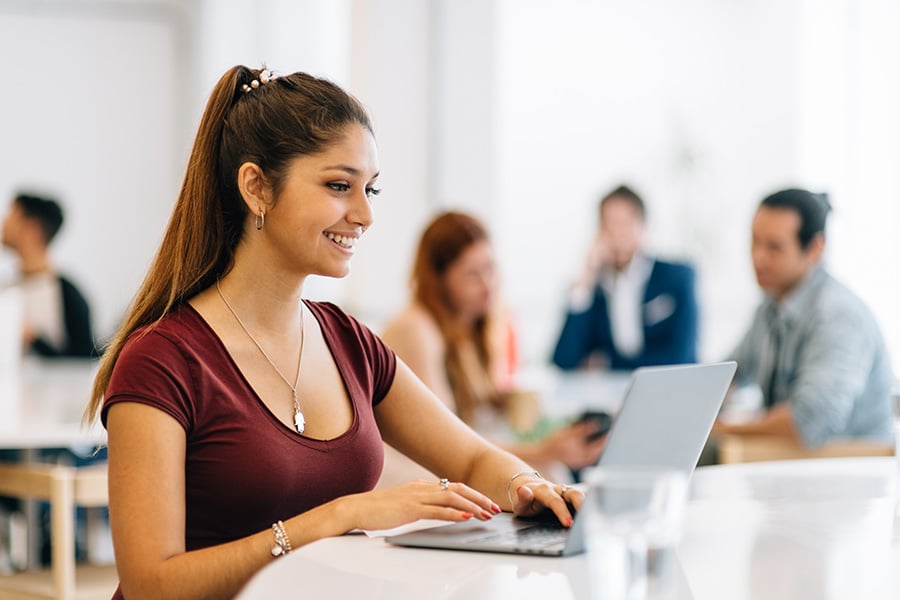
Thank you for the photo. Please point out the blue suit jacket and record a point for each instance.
(670, 316)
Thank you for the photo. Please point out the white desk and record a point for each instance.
(817, 529)
(44, 408)
(824, 529)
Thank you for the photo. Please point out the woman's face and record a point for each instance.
(471, 281)
(325, 205)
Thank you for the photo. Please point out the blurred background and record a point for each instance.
(523, 112)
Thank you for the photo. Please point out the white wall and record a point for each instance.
(391, 74)
(705, 110)
(91, 114)
(691, 107)
(521, 111)
(849, 134)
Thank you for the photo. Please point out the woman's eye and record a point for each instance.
(372, 192)
(339, 187)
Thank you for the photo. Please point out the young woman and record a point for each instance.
(456, 339)
(244, 421)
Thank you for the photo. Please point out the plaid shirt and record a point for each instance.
(820, 349)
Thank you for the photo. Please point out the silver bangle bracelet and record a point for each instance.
(282, 541)
(513, 478)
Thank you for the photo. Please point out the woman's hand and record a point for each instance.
(536, 495)
(570, 445)
(398, 505)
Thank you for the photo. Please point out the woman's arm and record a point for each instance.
(412, 420)
(417, 341)
(147, 514)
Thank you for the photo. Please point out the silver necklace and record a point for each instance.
(299, 419)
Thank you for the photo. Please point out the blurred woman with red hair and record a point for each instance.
(455, 336)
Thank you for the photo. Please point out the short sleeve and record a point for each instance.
(152, 370)
(384, 360)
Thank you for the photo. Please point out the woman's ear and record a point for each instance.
(254, 188)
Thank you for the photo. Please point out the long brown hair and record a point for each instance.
(468, 349)
(269, 125)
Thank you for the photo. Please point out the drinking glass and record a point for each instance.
(632, 519)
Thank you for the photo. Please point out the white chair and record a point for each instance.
(64, 488)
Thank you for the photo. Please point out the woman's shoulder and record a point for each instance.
(413, 327)
(411, 320)
(178, 339)
(177, 328)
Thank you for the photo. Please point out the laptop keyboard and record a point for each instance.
(539, 535)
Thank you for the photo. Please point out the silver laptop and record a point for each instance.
(665, 420)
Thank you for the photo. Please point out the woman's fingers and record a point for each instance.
(399, 505)
(532, 498)
(461, 497)
(574, 496)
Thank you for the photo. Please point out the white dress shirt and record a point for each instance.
(625, 301)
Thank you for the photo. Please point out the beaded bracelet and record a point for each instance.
(282, 542)
(513, 478)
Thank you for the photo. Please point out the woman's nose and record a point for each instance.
(361, 211)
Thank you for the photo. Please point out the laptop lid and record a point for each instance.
(667, 415)
(665, 420)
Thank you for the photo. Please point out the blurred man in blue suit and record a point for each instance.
(628, 309)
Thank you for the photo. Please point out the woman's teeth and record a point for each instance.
(346, 242)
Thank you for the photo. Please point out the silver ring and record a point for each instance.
(562, 492)
(444, 483)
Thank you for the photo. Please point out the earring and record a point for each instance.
(260, 220)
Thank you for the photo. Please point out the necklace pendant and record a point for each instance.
(299, 421)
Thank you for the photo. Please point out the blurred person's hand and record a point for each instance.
(570, 445)
(598, 256)
(28, 335)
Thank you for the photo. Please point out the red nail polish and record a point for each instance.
(467, 515)
(486, 515)
(495, 508)
(569, 522)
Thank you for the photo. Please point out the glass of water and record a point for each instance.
(632, 519)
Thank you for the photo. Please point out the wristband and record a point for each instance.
(282, 542)
(513, 478)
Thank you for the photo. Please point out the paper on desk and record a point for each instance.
(414, 526)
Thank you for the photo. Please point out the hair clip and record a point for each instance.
(265, 76)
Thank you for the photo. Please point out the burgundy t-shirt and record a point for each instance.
(244, 468)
